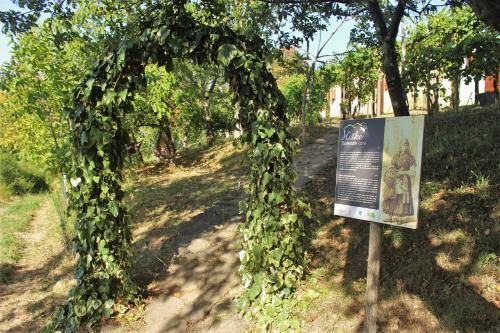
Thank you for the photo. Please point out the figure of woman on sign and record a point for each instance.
(398, 201)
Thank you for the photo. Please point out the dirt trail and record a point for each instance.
(197, 294)
(314, 156)
(32, 290)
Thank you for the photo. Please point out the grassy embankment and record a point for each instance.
(442, 277)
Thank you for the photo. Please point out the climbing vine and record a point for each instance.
(272, 256)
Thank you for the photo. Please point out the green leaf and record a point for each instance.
(113, 208)
(109, 304)
(80, 310)
(163, 34)
(254, 291)
(227, 52)
(266, 178)
(122, 94)
(75, 181)
(109, 97)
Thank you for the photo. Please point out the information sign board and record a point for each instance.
(378, 170)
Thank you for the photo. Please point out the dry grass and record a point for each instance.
(443, 277)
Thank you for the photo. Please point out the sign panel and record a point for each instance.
(378, 170)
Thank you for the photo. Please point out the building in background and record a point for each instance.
(481, 92)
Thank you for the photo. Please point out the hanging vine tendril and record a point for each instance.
(272, 257)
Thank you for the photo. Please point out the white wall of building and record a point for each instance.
(467, 95)
(334, 103)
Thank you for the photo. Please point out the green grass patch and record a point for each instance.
(14, 219)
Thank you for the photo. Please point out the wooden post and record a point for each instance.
(372, 278)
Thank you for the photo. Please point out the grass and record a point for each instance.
(14, 219)
(442, 277)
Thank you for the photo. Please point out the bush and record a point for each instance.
(18, 178)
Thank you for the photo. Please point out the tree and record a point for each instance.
(437, 47)
(384, 19)
(357, 73)
(422, 69)
(487, 11)
(39, 79)
(381, 21)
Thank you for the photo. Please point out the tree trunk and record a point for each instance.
(455, 93)
(165, 147)
(476, 91)
(374, 104)
(342, 103)
(305, 99)
(487, 11)
(428, 97)
(209, 126)
(393, 79)
(495, 86)
(138, 150)
(435, 97)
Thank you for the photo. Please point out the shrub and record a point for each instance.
(18, 178)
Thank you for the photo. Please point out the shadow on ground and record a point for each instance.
(186, 238)
(441, 276)
(22, 291)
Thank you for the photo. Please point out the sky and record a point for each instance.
(337, 43)
(4, 40)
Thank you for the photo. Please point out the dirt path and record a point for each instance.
(33, 289)
(197, 293)
(314, 156)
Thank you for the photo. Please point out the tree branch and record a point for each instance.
(378, 19)
(329, 38)
(301, 2)
(396, 20)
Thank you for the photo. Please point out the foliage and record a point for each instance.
(357, 73)
(272, 255)
(15, 21)
(184, 97)
(293, 90)
(21, 177)
(46, 63)
(290, 70)
(35, 85)
(438, 45)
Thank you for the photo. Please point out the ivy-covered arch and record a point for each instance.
(272, 256)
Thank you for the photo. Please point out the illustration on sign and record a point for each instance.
(378, 170)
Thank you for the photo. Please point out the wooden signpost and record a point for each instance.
(378, 180)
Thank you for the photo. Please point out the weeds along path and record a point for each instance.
(40, 279)
(186, 230)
